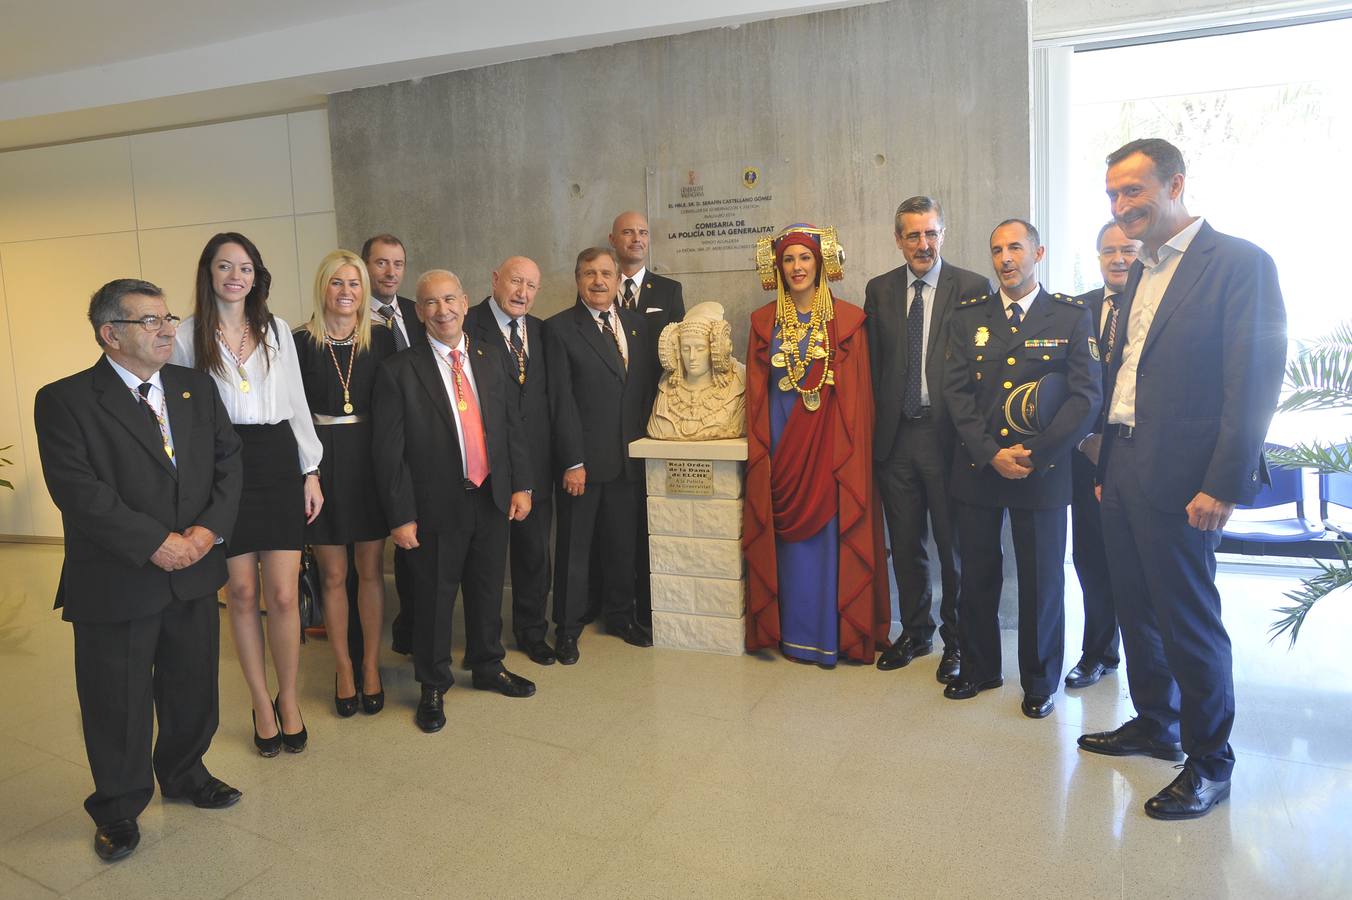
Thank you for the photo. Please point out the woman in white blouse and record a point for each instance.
(251, 356)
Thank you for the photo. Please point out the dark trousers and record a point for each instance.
(530, 569)
(127, 674)
(913, 481)
(470, 560)
(1179, 667)
(1091, 566)
(604, 514)
(401, 629)
(1039, 558)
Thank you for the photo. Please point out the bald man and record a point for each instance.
(660, 301)
(503, 325)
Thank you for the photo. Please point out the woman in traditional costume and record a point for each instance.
(812, 531)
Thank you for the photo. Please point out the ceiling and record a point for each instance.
(79, 69)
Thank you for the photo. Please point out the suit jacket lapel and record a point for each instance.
(1039, 317)
(603, 345)
(943, 302)
(426, 366)
(178, 403)
(1190, 268)
(117, 399)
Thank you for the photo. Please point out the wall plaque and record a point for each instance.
(706, 216)
(690, 477)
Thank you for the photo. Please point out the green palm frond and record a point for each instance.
(1333, 575)
(1319, 376)
(1324, 457)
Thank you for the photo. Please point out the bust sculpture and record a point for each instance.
(700, 397)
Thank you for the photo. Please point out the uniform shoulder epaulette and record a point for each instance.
(1067, 300)
(973, 301)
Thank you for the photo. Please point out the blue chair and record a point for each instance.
(1335, 501)
(1288, 487)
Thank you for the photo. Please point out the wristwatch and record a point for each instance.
(314, 472)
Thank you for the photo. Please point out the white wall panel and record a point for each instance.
(64, 191)
(169, 258)
(316, 237)
(213, 173)
(311, 181)
(16, 510)
(47, 290)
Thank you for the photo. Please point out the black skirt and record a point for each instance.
(351, 511)
(272, 505)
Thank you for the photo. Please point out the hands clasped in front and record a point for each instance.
(178, 551)
(1013, 462)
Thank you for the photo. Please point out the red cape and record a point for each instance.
(863, 600)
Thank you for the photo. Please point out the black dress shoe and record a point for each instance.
(949, 666)
(295, 741)
(631, 633)
(116, 839)
(1036, 706)
(966, 690)
(346, 707)
(539, 651)
(565, 650)
(1189, 796)
(1086, 673)
(900, 654)
(267, 747)
(505, 683)
(1130, 740)
(430, 716)
(214, 794)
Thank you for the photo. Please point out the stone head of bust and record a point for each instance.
(697, 351)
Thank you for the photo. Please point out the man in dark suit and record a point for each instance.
(659, 300)
(1190, 398)
(142, 461)
(1099, 650)
(599, 390)
(908, 310)
(453, 470)
(385, 262)
(996, 344)
(502, 323)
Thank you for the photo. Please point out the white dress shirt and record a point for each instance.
(1149, 292)
(931, 281)
(637, 278)
(443, 353)
(1024, 304)
(398, 321)
(155, 398)
(276, 393)
(505, 326)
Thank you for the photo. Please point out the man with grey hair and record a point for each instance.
(142, 461)
(453, 472)
(907, 313)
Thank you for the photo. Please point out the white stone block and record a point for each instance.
(727, 479)
(669, 555)
(702, 596)
(716, 519)
(650, 448)
(712, 634)
(668, 515)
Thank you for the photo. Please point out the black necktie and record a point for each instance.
(387, 313)
(1108, 341)
(915, 344)
(144, 389)
(1015, 315)
(515, 340)
(629, 293)
(614, 338)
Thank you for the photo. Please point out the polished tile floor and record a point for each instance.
(667, 774)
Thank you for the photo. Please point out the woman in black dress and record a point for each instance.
(339, 351)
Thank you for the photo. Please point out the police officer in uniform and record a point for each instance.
(1004, 461)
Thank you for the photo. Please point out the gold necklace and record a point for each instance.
(343, 380)
(238, 358)
(791, 333)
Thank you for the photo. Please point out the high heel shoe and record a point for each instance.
(294, 742)
(346, 706)
(373, 703)
(267, 747)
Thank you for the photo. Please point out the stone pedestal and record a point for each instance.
(695, 542)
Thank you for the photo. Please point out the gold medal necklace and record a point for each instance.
(238, 358)
(344, 380)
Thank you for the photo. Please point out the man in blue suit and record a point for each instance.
(1189, 399)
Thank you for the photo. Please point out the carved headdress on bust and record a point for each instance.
(700, 396)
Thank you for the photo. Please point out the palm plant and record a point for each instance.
(1319, 377)
(5, 462)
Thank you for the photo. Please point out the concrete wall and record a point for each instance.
(865, 106)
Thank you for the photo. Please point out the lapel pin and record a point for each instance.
(187, 395)
(480, 352)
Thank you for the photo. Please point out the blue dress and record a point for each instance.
(808, 619)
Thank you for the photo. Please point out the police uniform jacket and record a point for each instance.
(986, 360)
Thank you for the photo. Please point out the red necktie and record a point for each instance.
(471, 423)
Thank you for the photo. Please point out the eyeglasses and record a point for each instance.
(914, 237)
(149, 323)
